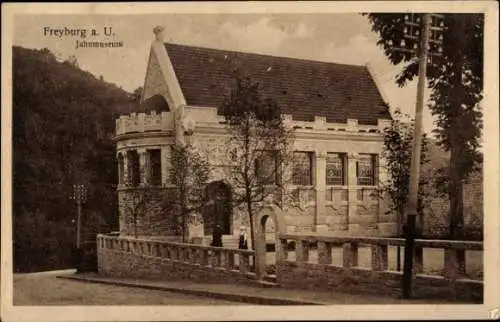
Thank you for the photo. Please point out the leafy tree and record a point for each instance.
(138, 204)
(456, 81)
(63, 123)
(398, 140)
(189, 172)
(259, 150)
(137, 94)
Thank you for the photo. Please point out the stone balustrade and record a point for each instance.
(318, 271)
(207, 116)
(144, 122)
(156, 258)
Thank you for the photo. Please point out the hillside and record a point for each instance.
(63, 121)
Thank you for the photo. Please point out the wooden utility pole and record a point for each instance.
(80, 196)
(419, 31)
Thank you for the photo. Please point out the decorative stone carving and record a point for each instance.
(353, 155)
(188, 125)
(321, 155)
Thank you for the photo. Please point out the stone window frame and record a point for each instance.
(296, 181)
(134, 168)
(343, 178)
(121, 169)
(372, 160)
(273, 178)
(154, 178)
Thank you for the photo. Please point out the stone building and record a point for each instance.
(337, 112)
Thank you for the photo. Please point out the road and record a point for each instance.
(46, 289)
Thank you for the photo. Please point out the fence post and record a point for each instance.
(283, 249)
(451, 264)
(350, 255)
(379, 257)
(302, 251)
(324, 253)
(418, 257)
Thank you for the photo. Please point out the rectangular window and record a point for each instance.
(266, 167)
(366, 169)
(335, 169)
(155, 166)
(302, 168)
(134, 168)
(121, 169)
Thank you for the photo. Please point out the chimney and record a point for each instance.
(158, 31)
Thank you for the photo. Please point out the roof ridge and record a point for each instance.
(266, 55)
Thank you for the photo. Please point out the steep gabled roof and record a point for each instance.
(303, 88)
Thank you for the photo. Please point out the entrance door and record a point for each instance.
(218, 209)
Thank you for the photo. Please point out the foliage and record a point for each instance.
(63, 122)
(456, 81)
(137, 207)
(189, 173)
(260, 148)
(137, 93)
(398, 139)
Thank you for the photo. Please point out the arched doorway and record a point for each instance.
(267, 222)
(218, 208)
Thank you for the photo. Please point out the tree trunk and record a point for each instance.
(456, 195)
(456, 172)
(456, 223)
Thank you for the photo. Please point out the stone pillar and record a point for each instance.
(126, 175)
(302, 251)
(352, 188)
(165, 166)
(121, 174)
(320, 224)
(143, 166)
(178, 120)
(324, 253)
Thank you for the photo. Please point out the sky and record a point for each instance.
(332, 37)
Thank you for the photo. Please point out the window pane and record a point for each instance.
(366, 170)
(134, 168)
(155, 164)
(265, 167)
(121, 169)
(302, 168)
(335, 169)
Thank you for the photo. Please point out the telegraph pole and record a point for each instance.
(80, 196)
(412, 30)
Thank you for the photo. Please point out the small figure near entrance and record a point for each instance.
(243, 243)
(217, 236)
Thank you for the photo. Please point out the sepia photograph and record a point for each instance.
(217, 161)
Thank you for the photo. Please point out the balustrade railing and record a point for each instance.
(448, 261)
(208, 256)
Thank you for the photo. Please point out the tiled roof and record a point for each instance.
(303, 88)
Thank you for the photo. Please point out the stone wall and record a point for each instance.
(303, 273)
(436, 212)
(133, 258)
(365, 281)
(151, 219)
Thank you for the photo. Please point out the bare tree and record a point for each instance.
(259, 149)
